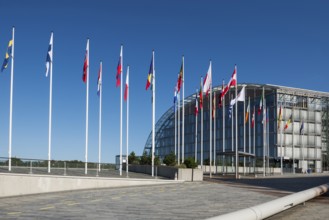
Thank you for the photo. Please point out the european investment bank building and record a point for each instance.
(300, 143)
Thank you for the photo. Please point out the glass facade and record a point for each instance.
(266, 139)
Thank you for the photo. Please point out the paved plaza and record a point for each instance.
(189, 200)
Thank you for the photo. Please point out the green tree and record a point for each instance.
(170, 159)
(190, 163)
(132, 158)
(145, 159)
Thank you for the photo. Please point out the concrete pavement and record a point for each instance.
(178, 201)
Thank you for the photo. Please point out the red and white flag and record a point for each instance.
(196, 108)
(207, 81)
(232, 82)
(253, 119)
(127, 85)
(99, 79)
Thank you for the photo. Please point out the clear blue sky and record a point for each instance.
(276, 42)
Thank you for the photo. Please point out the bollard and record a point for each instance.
(30, 167)
(176, 176)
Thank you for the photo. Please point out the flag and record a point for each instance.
(214, 105)
(125, 97)
(232, 82)
(301, 130)
(150, 75)
(200, 95)
(288, 122)
(207, 81)
(49, 58)
(180, 78)
(240, 98)
(253, 118)
(196, 108)
(99, 79)
(220, 103)
(175, 98)
(119, 69)
(260, 105)
(85, 64)
(247, 113)
(7, 56)
(280, 117)
(230, 110)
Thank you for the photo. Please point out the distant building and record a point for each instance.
(117, 161)
(307, 149)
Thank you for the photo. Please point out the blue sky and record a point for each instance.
(275, 42)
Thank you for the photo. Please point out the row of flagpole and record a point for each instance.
(205, 87)
(85, 77)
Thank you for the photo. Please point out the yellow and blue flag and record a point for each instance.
(7, 56)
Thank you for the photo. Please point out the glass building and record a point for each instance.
(299, 140)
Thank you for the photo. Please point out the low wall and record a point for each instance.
(24, 184)
(184, 174)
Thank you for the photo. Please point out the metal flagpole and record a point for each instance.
(249, 132)
(268, 139)
(121, 61)
(214, 145)
(127, 131)
(87, 104)
(175, 109)
(244, 135)
(201, 92)
(224, 139)
(183, 114)
(254, 131)
(100, 116)
(11, 98)
(293, 148)
(153, 113)
(281, 143)
(210, 123)
(264, 133)
(196, 130)
(178, 141)
(50, 97)
(236, 128)
(232, 133)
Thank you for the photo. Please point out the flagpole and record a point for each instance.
(87, 104)
(281, 150)
(232, 132)
(210, 122)
(249, 132)
(214, 145)
(224, 138)
(201, 156)
(153, 113)
(179, 122)
(293, 148)
(254, 131)
(11, 98)
(100, 117)
(244, 135)
(127, 135)
(183, 113)
(264, 131)
(236, 128)
(121, 61)
(50, 102)
(175, 109)
(196, 130)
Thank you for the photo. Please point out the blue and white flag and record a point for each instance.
(49, 58)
